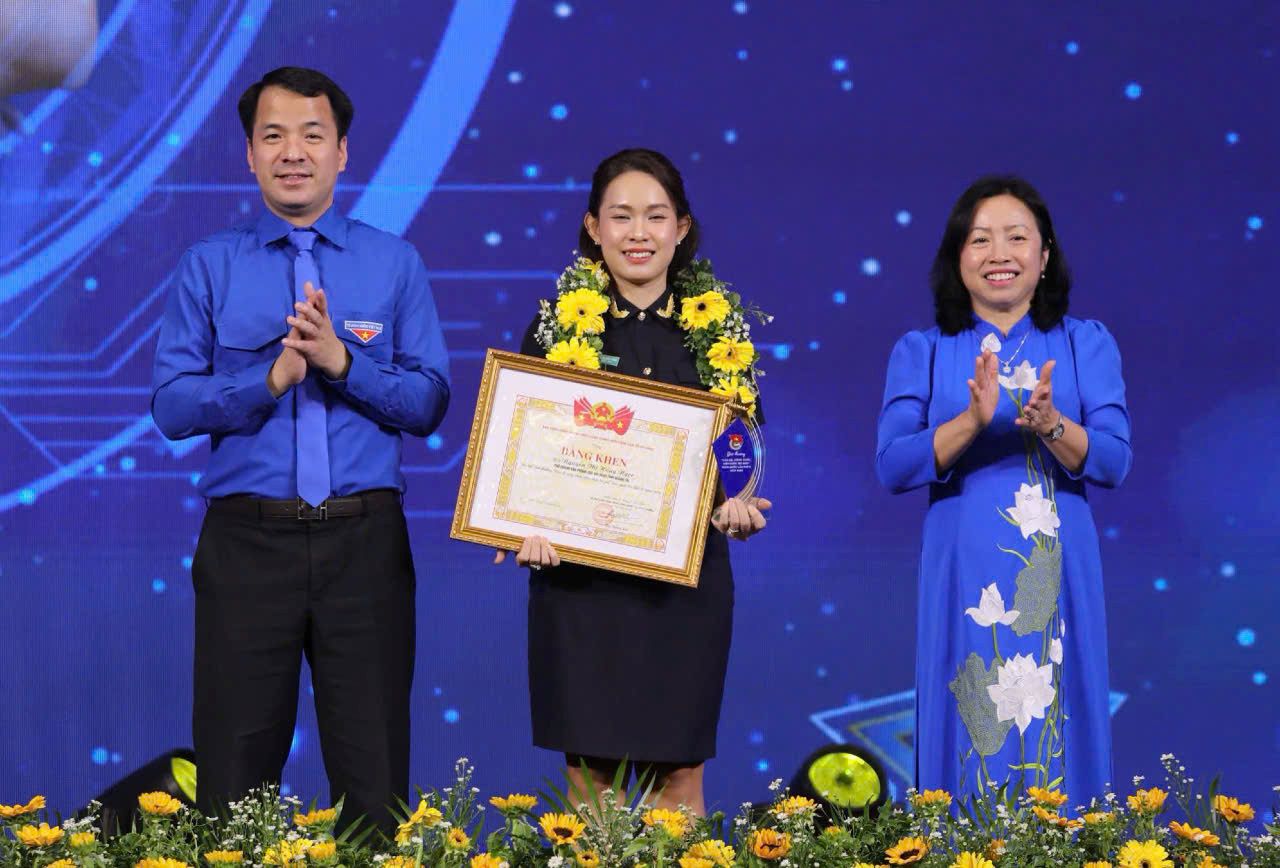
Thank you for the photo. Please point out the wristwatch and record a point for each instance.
(1056, 432)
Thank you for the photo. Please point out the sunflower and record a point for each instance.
(8, 812)
(515, 802)
(931, 797)
(1052, 798)
(39, 836)
(561, 828)
(718, 852)
(323, 854)
(161, 862)
(402, 862)
(770, 844)
(318, 817)
(575, 351)
(580, 311)
(486, 860)
(588, 859)
(1232, 810)
(867, 865)
(972, 860)
(287, 852)
(457, 839)
(1148, 801)
(159, 804)
(907, 850)
(82, 840)
(674, 822)
(700, 311)
(224, 857)
(1187, 832)
(731, 356)
(1143, 854)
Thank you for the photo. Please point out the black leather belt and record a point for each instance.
(297, 508)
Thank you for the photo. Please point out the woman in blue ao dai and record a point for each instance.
(1007, 409)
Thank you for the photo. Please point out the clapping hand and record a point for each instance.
(984, 388)
(1039, 414)
(315, 339)
(741, 519)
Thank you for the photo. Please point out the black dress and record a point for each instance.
(619, 665)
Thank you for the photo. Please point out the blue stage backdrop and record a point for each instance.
(823, 144)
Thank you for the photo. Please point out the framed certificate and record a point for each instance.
(617, 472)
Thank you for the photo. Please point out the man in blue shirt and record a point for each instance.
(305, 393)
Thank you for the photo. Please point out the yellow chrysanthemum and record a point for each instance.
(995, 849)
(1232, 810)
(82, 840)
(931, 797)
(8, 812)
(581, 310)
(1143, 854)
(731, 356)
(287, 852)
(1052, 798)
(224, 857)
(39, 836)
(1187, 832)
(457, 839)
(770, 844)
(160, 862)
(318, 817)
(695, 862)
(718, 852)
(159, 804)
(674, 822)
(575, 351)
(322, 853)
(1148, 801)
(588, 859)
(907, 850)
(514, 802)
(795, 805)
(1093, 818)
(487, 860)
(972, 860)
(561, 828)
(701, 311)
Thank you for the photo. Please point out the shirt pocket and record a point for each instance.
(367, 332)
(247, 340)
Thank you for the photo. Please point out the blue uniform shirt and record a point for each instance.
(222, 331)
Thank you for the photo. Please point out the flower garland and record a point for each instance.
(712, 316)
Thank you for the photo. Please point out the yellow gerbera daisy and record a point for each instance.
(224, 857)
(1232, 810)
(1143, 854)
(159, 804)
(731, 356)
(674, 822)
(287, 852)
(1148, 801)
(1052, 798)
(718, 852)
(8, 812)
(425, 815)
(770, 844)
(931, 797)
(318, 817)
(1093, 818)
(580, 310)
(695, 862)
(457, 839)
(487, 860)
(588, 859)
(561, 828)
(972, 860)
(161, 862)
(907, 850)
(735, 388)
(866, 865)
(575, 351)
(39, 836)
(795, 805)
(701, 311)
(514, 802)
(1187, 832)
(82, 840)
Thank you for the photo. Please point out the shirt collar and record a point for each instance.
(663, 307)
(330, 226)
(984, 328)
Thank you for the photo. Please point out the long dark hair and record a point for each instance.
(953, 307)
(665, 173)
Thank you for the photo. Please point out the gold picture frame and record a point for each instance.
(550, 441)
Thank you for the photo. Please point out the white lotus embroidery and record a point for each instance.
(1055, 651)
(1024, 377)
(1023, 691)
(1034, 512)
(991, 343)
(991, 609)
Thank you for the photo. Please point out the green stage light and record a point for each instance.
(843, 777)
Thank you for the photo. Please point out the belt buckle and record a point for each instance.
(307, 512)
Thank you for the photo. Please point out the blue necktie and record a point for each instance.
(311, 429)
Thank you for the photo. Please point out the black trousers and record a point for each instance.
(340, 591)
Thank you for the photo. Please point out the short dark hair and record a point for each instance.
(953, 307)
(304, 82)
(665, 173)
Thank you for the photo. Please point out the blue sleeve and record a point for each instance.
(187, 398)
(1103, 413)
(411, 392)
(904, 438)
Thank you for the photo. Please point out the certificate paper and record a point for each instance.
(615, 471)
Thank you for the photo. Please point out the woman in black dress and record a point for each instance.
(619, 666)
